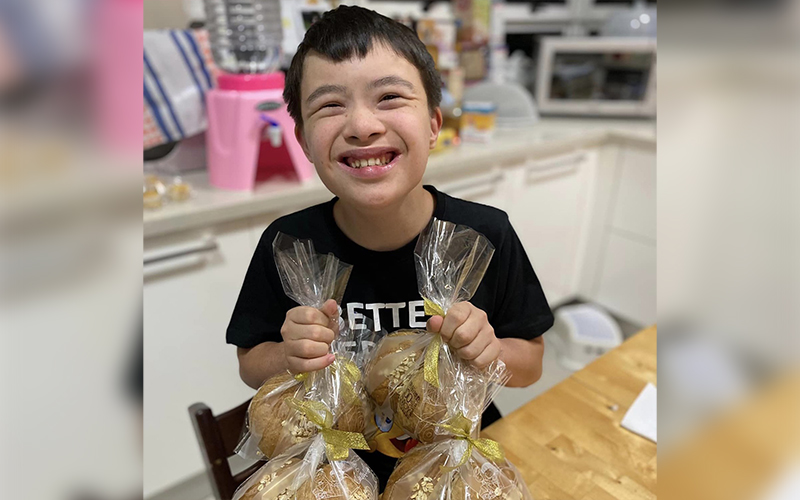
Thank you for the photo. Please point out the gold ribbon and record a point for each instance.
(305, 378)
(460, 426)
(337, 443)
(431, 365)
(350, 375)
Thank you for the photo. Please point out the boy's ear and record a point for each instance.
(298, 134)
(436, 126)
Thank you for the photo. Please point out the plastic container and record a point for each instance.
(245, 35)
(582, 333)
(478, 121)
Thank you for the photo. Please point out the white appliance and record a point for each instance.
(596, 76)
(582, 333)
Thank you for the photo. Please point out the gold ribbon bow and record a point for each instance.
(337, 443)
(460, 426)
(431, 365)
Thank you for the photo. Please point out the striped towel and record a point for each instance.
(178, 71)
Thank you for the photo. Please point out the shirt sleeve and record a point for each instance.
(262, 305)
(522, 310)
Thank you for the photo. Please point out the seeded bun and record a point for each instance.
(326, 486)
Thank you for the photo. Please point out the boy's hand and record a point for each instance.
(467, 330)
(307, 335)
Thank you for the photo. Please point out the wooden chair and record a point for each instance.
(218, 436)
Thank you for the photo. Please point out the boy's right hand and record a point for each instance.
(307, 335)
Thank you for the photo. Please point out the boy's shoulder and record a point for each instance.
(487, 220)
(307, 223)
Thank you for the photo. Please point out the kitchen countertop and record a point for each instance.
(568, 443)
(549, 137)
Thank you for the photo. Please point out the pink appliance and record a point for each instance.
(250, 134)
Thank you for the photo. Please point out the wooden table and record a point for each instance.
(568, 443)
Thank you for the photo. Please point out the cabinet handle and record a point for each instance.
(536, 170)
(474, 185)
(207, 244)
(171, 265)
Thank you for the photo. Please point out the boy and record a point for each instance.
(364, 94)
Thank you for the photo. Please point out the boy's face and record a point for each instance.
(361, 109)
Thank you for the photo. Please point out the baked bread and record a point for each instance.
(326, 486)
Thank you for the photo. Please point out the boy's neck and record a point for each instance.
(387, 228)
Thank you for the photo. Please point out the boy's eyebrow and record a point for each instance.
(390, 80)
(326, 89)
(339, 89)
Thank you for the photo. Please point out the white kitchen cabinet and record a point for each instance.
(191, 284)
(619, 267)
(548, 201)
(488, 188)
(635, 208)
(627, 285)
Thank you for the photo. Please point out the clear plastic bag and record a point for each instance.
(413, 371)
(433, 471)
(321, 468)
(272, 425)
(434, 395)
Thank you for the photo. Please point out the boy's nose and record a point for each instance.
(362, 125)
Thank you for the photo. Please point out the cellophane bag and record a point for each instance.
(413, 372)
(322, 467)
(273, 426)
(460, 465)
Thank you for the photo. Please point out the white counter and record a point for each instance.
(547, 138)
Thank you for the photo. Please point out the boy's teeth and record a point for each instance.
(382, 160)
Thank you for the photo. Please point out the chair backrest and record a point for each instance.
(218, 436)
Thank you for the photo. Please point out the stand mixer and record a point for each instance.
(250, 134)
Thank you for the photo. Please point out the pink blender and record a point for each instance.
(250, 134)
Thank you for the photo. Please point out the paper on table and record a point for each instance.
(642, 416)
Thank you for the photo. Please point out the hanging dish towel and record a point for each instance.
(178, 71)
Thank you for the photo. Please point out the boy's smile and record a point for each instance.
(367, 126)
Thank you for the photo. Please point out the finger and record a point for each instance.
(316, 333)
(304, 315)
(307, 349)
(299, 365)
(491, 353)
(477, 346)
(454, 318)
(469, 329)
(330, 308)
(435, 324)
(291, 331)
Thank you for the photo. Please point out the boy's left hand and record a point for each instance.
(466, 328)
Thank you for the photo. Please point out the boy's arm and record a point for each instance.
(261, 362)
(523, 358)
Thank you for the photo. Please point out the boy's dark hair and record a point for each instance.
(349, 31)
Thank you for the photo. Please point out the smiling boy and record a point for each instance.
(364, 94)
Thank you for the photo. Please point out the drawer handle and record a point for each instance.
(541, 166)
(174, 252)
(481, 181)
(172, 265)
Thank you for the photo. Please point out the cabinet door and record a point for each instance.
(191, 284)
(635, 207)
(548, 211)
(628, 279)
(488, 188)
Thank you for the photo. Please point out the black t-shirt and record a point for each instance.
(383, 285)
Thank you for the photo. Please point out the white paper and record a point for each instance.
(642, 416)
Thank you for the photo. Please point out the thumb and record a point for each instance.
(330, 308)
(435, 324)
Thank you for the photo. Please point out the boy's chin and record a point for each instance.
(376, 196)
